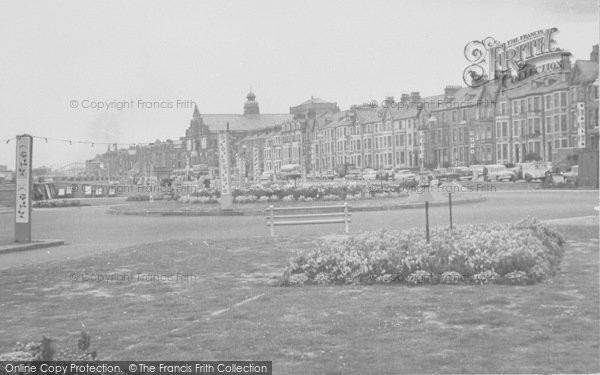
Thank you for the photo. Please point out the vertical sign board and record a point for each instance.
(24, 187)
(224, 170)
(581, 125)
(421, 144)
(472, 142)
(256, 164)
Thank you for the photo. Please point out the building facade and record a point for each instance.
(505, 121)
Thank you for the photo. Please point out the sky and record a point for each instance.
(58, 59)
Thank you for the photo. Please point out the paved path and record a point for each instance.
(89, 230)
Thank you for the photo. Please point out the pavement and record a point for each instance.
(89, 230)
(12, 247)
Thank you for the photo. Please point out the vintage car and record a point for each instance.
(571, 175)
(533, 171)
(369, 174)
(499, 172)
(353, 174)
(403, 175)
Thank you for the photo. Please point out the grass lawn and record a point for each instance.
(225, 306)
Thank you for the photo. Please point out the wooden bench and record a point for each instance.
(286, 216)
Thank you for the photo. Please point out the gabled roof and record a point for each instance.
(314, 101)
(535, 85)
(399, 112)
(244, 122)
(369, 115)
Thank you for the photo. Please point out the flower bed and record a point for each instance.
(524, 252)
(289, 193)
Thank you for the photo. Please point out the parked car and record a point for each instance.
(369, 174)
(290, 172)
(533, 171)
(404, 175)
(476, 171)
(458, 173)
(267, 176)
(385, 173)
(353, 174)
(499, 172)
(572, 174)
(329, 175)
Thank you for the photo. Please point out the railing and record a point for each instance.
(278, 216)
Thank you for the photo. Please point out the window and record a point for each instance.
(498, 132)
(536, 103)
(548, 101)
(556, 124)
(515, 107)
(503, 108)
(453, 116)
(515, 128)
(536, 125)
(522, 105)
(563, 123)
(563, 99)
(548, 125)
(530, 104)
(410, 139)
(505, 129)
(556, 102)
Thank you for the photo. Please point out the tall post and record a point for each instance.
(346, 228)
(24, 187)
(224, 171)
(450, 205)
(255, 163)
(271, 220)
(427, 221)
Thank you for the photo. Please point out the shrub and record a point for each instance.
(48, 350)
(419, 277)
(485, 277)
(451, 277)
(521, 252)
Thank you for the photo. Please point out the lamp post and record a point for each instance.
(432, 121)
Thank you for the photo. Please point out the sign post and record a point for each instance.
(426, 197)
(24, 187)
(224, 171)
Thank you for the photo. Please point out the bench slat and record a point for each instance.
(309, 215)
(307, 208)
(299, 222)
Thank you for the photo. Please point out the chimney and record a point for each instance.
(594, 54)
(450, 90)
(404, 98)
(389, 100)
(415, 97)
(565, 59)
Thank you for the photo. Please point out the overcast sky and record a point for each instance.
(212, 52)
